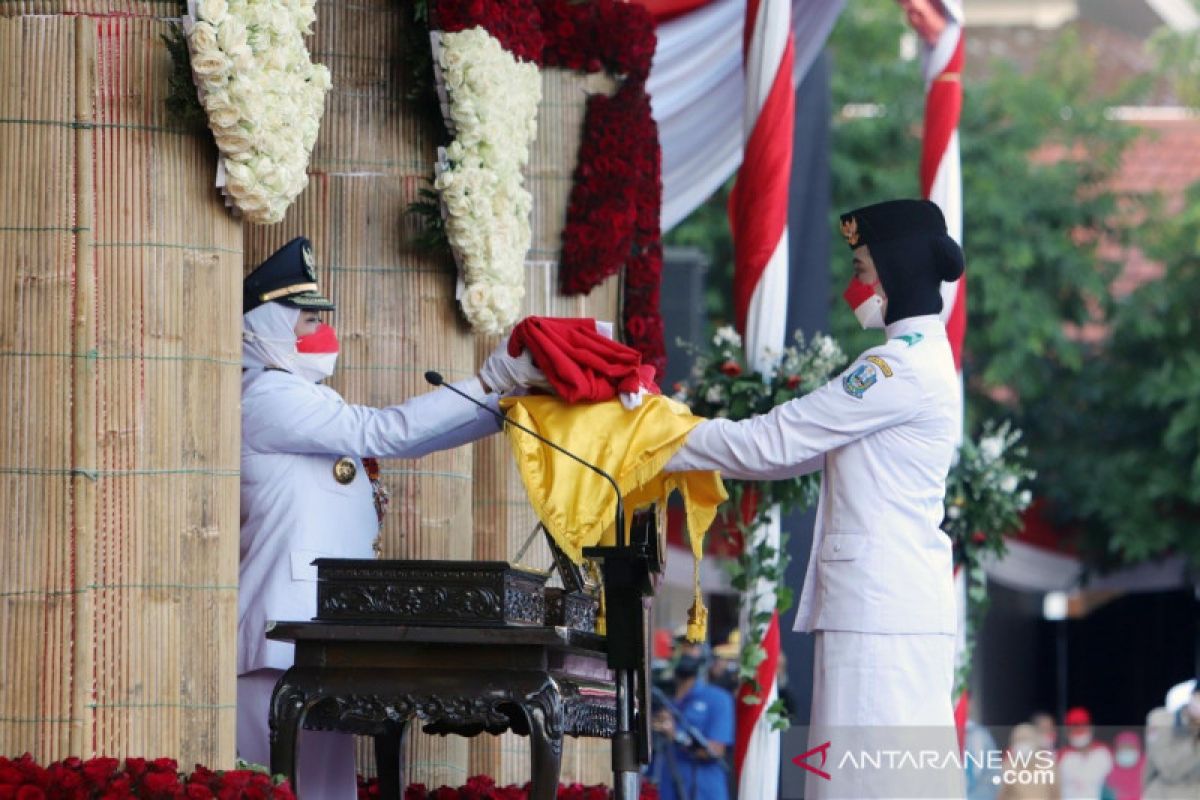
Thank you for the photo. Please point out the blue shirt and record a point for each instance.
(710, 709)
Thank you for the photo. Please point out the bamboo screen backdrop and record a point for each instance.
(119, 286)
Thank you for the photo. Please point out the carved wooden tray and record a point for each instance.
(476, 593)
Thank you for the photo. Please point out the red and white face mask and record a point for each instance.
(316, 353)
(865, 303)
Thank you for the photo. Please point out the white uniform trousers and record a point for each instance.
(883, 703)
(324, 760)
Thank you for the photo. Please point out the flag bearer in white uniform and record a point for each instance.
(878, 593)
(305, 494)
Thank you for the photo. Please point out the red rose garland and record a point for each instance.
(613, 214)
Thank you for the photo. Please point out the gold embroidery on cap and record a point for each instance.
(850, 231)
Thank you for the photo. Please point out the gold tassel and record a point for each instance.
(601, 622)
(697, 625)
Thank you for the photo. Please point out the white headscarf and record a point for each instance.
(269, 337)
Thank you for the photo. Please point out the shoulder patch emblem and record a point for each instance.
(884, 367)
(911, 339)
(858, 380)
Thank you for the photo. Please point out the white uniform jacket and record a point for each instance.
(885, 432)
(294, 510)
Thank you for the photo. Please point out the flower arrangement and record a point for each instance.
(612, 219)
(723, 385)
(492, 110)
(608, 35)
(110, 779)
(262, 94)
(482, 787)
(985, 497)
(613, 211)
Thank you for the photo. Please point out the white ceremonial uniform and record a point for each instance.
(293, 510)
(878, 591)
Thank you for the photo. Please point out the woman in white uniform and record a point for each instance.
(304, 491)
(878, 592)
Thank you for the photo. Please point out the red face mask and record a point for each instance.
(322, 340)
(316, 353)
(866, 305)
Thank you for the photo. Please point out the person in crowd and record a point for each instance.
(1124, 782)
(1083, 763)
(879, 590)
(1029, 772)
(692, 764)
(981, 774)
(1172, 770)
(723, 671)
(305, 493)
(1047, 730)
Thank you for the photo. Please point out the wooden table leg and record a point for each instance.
(545, 748)
(389, 750)
(287, 711)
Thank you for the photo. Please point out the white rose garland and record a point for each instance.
(490, 102)
(263, 96)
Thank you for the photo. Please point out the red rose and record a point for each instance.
(161, 783)
(30, 793)
(793, 381)
(7, 791)
(444, 793)
(198, 791)
(136, 767)
(98, 770)
(165, 765)
(10, 776)
(731, 368)
(283, 791)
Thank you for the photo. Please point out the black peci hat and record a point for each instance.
(289, 276)
(912, 252)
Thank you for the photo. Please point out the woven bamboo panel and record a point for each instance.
(396, 315)
(119, 403)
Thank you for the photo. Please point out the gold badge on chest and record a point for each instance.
(344, 470)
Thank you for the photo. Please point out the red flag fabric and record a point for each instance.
(582, 365)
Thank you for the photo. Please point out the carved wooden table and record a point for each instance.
(372, 679)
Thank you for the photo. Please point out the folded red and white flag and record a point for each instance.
(582, 364)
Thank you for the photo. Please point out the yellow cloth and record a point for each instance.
(576, 505)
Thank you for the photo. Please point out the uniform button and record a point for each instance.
(837, 547)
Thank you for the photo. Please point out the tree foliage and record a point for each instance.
(1111, 420)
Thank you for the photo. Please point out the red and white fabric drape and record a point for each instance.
(941, 173)
(941, 182)
(758, 209)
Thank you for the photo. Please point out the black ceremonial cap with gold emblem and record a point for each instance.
(912, 252)
(289, 276)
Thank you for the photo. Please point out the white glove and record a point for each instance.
(503, 374)
(632, 400)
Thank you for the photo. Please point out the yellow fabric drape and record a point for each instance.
(576, 505)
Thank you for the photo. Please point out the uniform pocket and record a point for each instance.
(302, 567)
(842, 546)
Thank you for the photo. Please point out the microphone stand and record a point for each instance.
(627, 582)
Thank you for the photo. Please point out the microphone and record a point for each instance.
(436, 379)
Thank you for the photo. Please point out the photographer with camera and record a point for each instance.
(693, 725)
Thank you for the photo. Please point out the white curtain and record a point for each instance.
(696, 88)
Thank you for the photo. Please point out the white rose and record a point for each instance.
(715, 394)
(231, 35)
(1008, 484)
(953, 512)
(234, 142)
(210, 64)
(991, 447)
(213, 11)
(202, 38)
(1024, 498)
